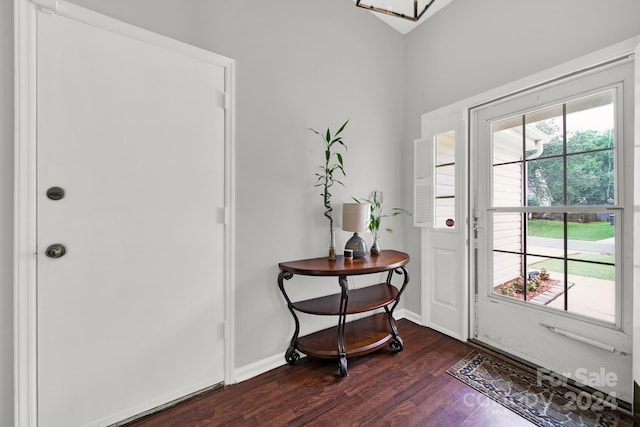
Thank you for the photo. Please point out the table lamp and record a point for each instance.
(355, 217)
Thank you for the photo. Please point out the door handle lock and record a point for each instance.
(55, 193)
(55, 251)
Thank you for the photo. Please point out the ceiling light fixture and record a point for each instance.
(407, 9)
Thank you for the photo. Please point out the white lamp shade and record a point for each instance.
(355, 217)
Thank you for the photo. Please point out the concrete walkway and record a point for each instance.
(590, 297)
(586, 295)
(606, 246)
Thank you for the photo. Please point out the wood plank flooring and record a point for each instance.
(410, 388)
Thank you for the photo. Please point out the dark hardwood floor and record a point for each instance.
(410, 388)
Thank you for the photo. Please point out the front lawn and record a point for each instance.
(590, 231)
(597, 271)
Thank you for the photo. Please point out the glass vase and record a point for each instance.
(332, 245)
(375, 247)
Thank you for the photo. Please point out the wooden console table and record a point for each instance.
(347, 339)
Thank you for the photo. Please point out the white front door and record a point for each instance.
(132, 315)
(552, 195)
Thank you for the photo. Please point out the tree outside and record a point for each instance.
(589, 168)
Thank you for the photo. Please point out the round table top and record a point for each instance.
(384, 261)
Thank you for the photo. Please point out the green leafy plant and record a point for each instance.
(376, 214)
(544, 274)
(532, 284)
(508, 291)
(518, 285)
(333, 164)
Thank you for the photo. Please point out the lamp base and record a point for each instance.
(358, 245)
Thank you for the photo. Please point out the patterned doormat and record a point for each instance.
(533, 398)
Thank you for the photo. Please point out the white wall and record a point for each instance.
(300, 64)
(470, 47)
(6, 212)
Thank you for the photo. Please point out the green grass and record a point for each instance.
(597, 271)
(591, 231)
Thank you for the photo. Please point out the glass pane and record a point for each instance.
(593, 228)
(590, 178)
(446, 180)
(544, 133)
(545, 238)
(507, 140)
(507, 231)
(592, 290)
(445, 213)
(507, 274)
(548, 225)
(537, 285)
(507, 185)
(545, 258)
(546, 281)
(591, 123)
(545, 182)
(445, 148)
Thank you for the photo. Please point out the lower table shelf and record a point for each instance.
(362, 336)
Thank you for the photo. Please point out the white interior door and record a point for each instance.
(132, 315)
(552, 197)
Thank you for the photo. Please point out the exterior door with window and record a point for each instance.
(551, 198)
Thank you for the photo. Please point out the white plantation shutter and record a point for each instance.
(422, 183)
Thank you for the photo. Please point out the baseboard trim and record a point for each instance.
(409, 315)
(260, 367)
(446, 331)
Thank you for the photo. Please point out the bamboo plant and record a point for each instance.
(376, 214)
(333, 165)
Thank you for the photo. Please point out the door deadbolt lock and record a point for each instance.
(55, 251)
(55, 193)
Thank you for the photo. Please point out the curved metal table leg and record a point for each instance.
(342, 320)
(396, 345)
(291, 356)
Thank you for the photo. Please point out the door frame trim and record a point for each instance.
(25, 247)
